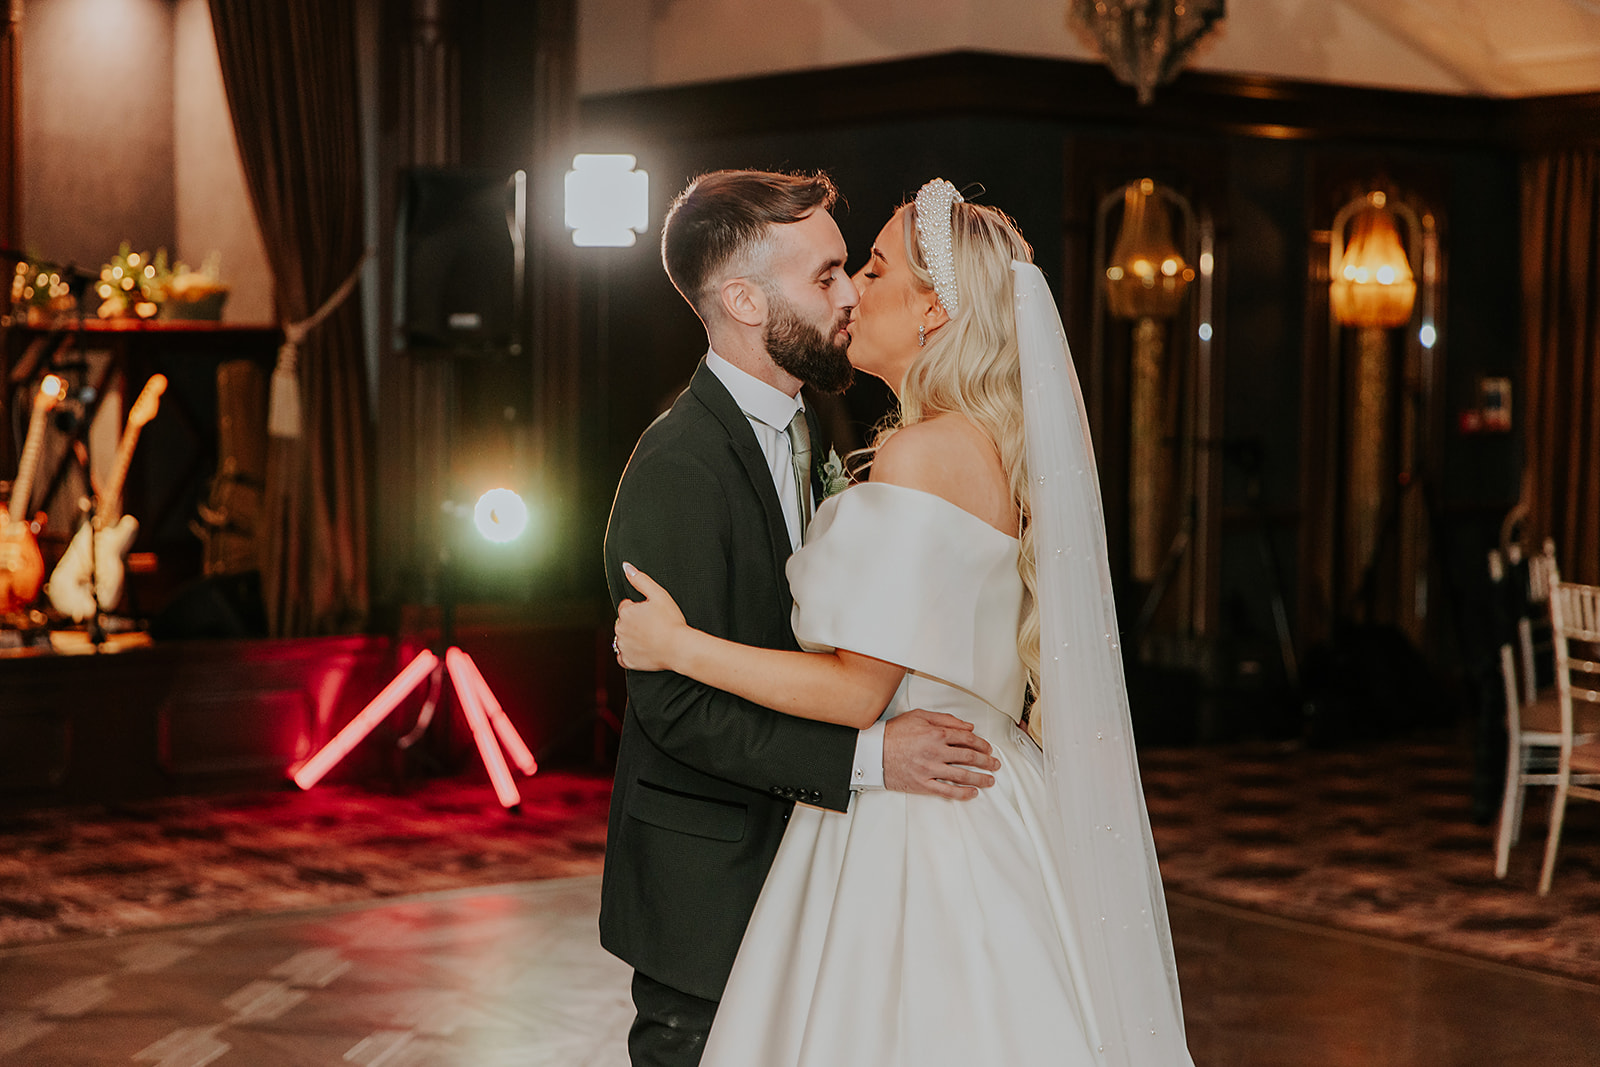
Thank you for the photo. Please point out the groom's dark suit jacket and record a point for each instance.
(705, 781)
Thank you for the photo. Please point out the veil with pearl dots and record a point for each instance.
(1119, 941)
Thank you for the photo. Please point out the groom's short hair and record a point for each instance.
(723, 215)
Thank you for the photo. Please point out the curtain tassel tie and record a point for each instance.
(283, 411)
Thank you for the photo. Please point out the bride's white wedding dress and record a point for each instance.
(911, 929)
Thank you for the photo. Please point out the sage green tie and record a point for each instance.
(800, 451)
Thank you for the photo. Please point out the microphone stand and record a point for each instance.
(90, 506)
(78, 282)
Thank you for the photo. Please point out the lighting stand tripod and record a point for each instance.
(490, 727)
(491, 730)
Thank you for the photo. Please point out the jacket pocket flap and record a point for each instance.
(700, 816)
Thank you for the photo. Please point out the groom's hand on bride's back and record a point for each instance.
(931, 752)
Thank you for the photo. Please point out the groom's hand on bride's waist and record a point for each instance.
(931, 752)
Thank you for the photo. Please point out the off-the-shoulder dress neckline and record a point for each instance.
(931, 496)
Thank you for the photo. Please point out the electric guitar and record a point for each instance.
(99, 547)
(21, 565)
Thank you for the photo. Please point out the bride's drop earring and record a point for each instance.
(922, 337)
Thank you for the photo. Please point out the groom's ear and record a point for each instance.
(744, 301)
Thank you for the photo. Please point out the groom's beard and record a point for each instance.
(798, 347)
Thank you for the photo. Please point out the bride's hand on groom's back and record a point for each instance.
(931, 752)
(648, 629)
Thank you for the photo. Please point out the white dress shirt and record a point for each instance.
(770, 411)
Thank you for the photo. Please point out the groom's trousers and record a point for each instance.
(671, 1027)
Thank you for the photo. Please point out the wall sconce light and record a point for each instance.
(1373, 284)
(1156, 264)
(1147, 275)
(1145, 283)
(1379, 281)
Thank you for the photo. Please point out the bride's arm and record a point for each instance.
(946, 456)
(841, 687)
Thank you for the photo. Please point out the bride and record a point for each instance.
(1027, 925)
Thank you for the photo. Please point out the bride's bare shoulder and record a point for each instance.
(949, 457)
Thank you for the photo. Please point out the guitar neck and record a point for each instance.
(143, 410)
(22, 488)
(110, 505)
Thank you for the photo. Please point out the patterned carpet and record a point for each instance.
(1377, 840)
(95, 871)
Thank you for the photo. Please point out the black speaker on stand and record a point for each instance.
(459, 320)
(461, 250)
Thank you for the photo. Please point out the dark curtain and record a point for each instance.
(290, 71)
(10, 131)
(1561, 357)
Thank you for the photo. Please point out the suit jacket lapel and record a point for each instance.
(715, 396)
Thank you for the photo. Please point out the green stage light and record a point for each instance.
(500, 516)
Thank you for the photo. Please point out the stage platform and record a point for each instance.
(144, 719)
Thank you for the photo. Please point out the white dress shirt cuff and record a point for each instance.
(868, 773)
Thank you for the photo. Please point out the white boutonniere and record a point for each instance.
(835, 479)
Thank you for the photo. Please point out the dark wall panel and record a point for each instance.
(1273, 159)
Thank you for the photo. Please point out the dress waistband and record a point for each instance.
(983, 716)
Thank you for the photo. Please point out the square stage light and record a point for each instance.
(608, 201)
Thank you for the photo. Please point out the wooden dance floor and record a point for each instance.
(482, 977)
(514, 975)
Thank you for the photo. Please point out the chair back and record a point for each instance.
(1532, 578)
(1543, 572)
(1575, 627)
(1505, 601)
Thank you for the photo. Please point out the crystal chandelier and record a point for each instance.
(1145, 42)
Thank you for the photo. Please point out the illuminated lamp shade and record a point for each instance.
(1147, 275)
(1373, 284)
(607, 201)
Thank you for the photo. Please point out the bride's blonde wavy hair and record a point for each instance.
(971, 367)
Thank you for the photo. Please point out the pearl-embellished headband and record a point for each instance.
(934, 203)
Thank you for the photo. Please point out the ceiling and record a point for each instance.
(1475, 47)
(1499, 47)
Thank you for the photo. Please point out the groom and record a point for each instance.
(711, 505)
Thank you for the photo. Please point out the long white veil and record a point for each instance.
(1128, 983)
